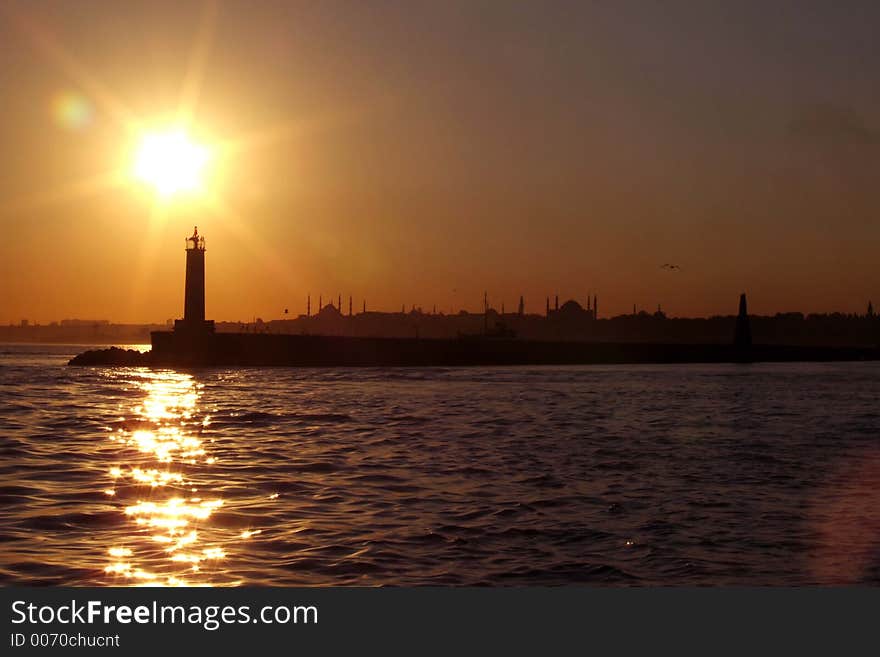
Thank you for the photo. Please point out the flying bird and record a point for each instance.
(670, 267)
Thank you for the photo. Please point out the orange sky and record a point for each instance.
(424, 156)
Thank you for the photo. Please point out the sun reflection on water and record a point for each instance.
(172, 538)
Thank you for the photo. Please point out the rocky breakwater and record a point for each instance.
(114, 356)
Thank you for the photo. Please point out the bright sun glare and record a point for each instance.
(170, 162)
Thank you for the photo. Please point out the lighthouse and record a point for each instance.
(194, 294)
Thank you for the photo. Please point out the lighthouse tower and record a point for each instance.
(194, 296)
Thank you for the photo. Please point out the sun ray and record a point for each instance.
(250, 239)
(75, 190)
(277, 133)
(149, 245)
(293, 128)
(195, 70)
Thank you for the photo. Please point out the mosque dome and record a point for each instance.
(571, 307)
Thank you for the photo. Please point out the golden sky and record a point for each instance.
(421, 153)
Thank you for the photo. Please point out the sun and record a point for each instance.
(170, 162)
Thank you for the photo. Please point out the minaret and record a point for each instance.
(309, 306)
(365, 306)
(349, 306)
(339, 304)
(522, 306)
(548, 306)
(595, 307)
(556, 304)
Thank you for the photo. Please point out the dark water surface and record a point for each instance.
(611, 475)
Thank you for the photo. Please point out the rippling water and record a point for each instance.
(623, 475)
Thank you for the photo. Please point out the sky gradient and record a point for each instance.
(421, 153)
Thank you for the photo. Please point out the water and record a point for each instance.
(619, 475)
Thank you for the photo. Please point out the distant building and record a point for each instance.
(570, 308)
(85, 322)
(572, 311)
(329, 312)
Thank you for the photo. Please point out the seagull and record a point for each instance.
(666, 265)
